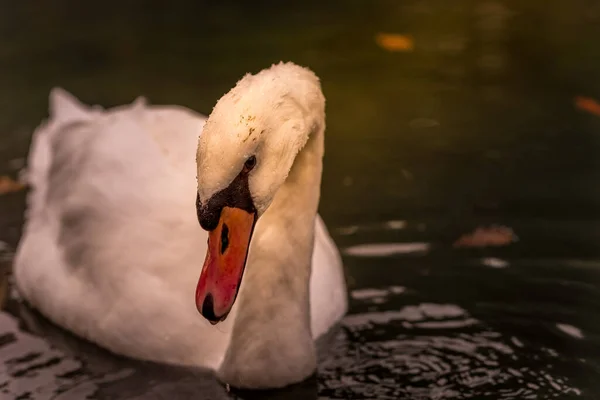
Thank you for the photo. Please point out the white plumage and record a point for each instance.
(112, 249)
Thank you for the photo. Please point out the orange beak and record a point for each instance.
(225, 262)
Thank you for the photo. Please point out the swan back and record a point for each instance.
(109, 194)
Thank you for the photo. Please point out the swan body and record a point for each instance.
(112, 248)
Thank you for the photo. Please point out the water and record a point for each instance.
(475, 122)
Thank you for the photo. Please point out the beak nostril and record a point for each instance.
(208, 308)
(224, 238)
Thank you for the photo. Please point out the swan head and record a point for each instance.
(245, 153)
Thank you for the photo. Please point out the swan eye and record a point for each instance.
(250, 164)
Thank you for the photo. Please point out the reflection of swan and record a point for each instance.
(112, 248)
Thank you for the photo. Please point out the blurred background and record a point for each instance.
(459, 182)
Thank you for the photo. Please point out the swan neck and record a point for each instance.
(271, 339)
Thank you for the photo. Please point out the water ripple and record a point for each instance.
(33, 369)
(433, 351)
(386, 249)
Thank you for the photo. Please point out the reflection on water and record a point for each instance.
(436, 351)
(386, 249)
(420, 351)
(455, 329)
(32, 367)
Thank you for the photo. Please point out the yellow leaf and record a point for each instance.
(9, 185)
(587, 104)
(487, 236)
(394, 42)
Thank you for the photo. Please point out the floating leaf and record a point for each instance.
(9, 185)
(588, 104)
(394, 42)
(483, 237)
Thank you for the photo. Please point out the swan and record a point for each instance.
(114, 251)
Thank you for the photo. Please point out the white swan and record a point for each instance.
(112, 248)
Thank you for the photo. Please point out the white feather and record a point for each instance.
(112, 249)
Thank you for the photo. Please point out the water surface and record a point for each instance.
(475, 121)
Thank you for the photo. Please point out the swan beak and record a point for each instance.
(224, 265)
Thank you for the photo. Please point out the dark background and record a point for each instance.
(476, 123)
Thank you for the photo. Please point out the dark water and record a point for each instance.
(474, 124)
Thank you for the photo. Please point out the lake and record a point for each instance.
(460, 183)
